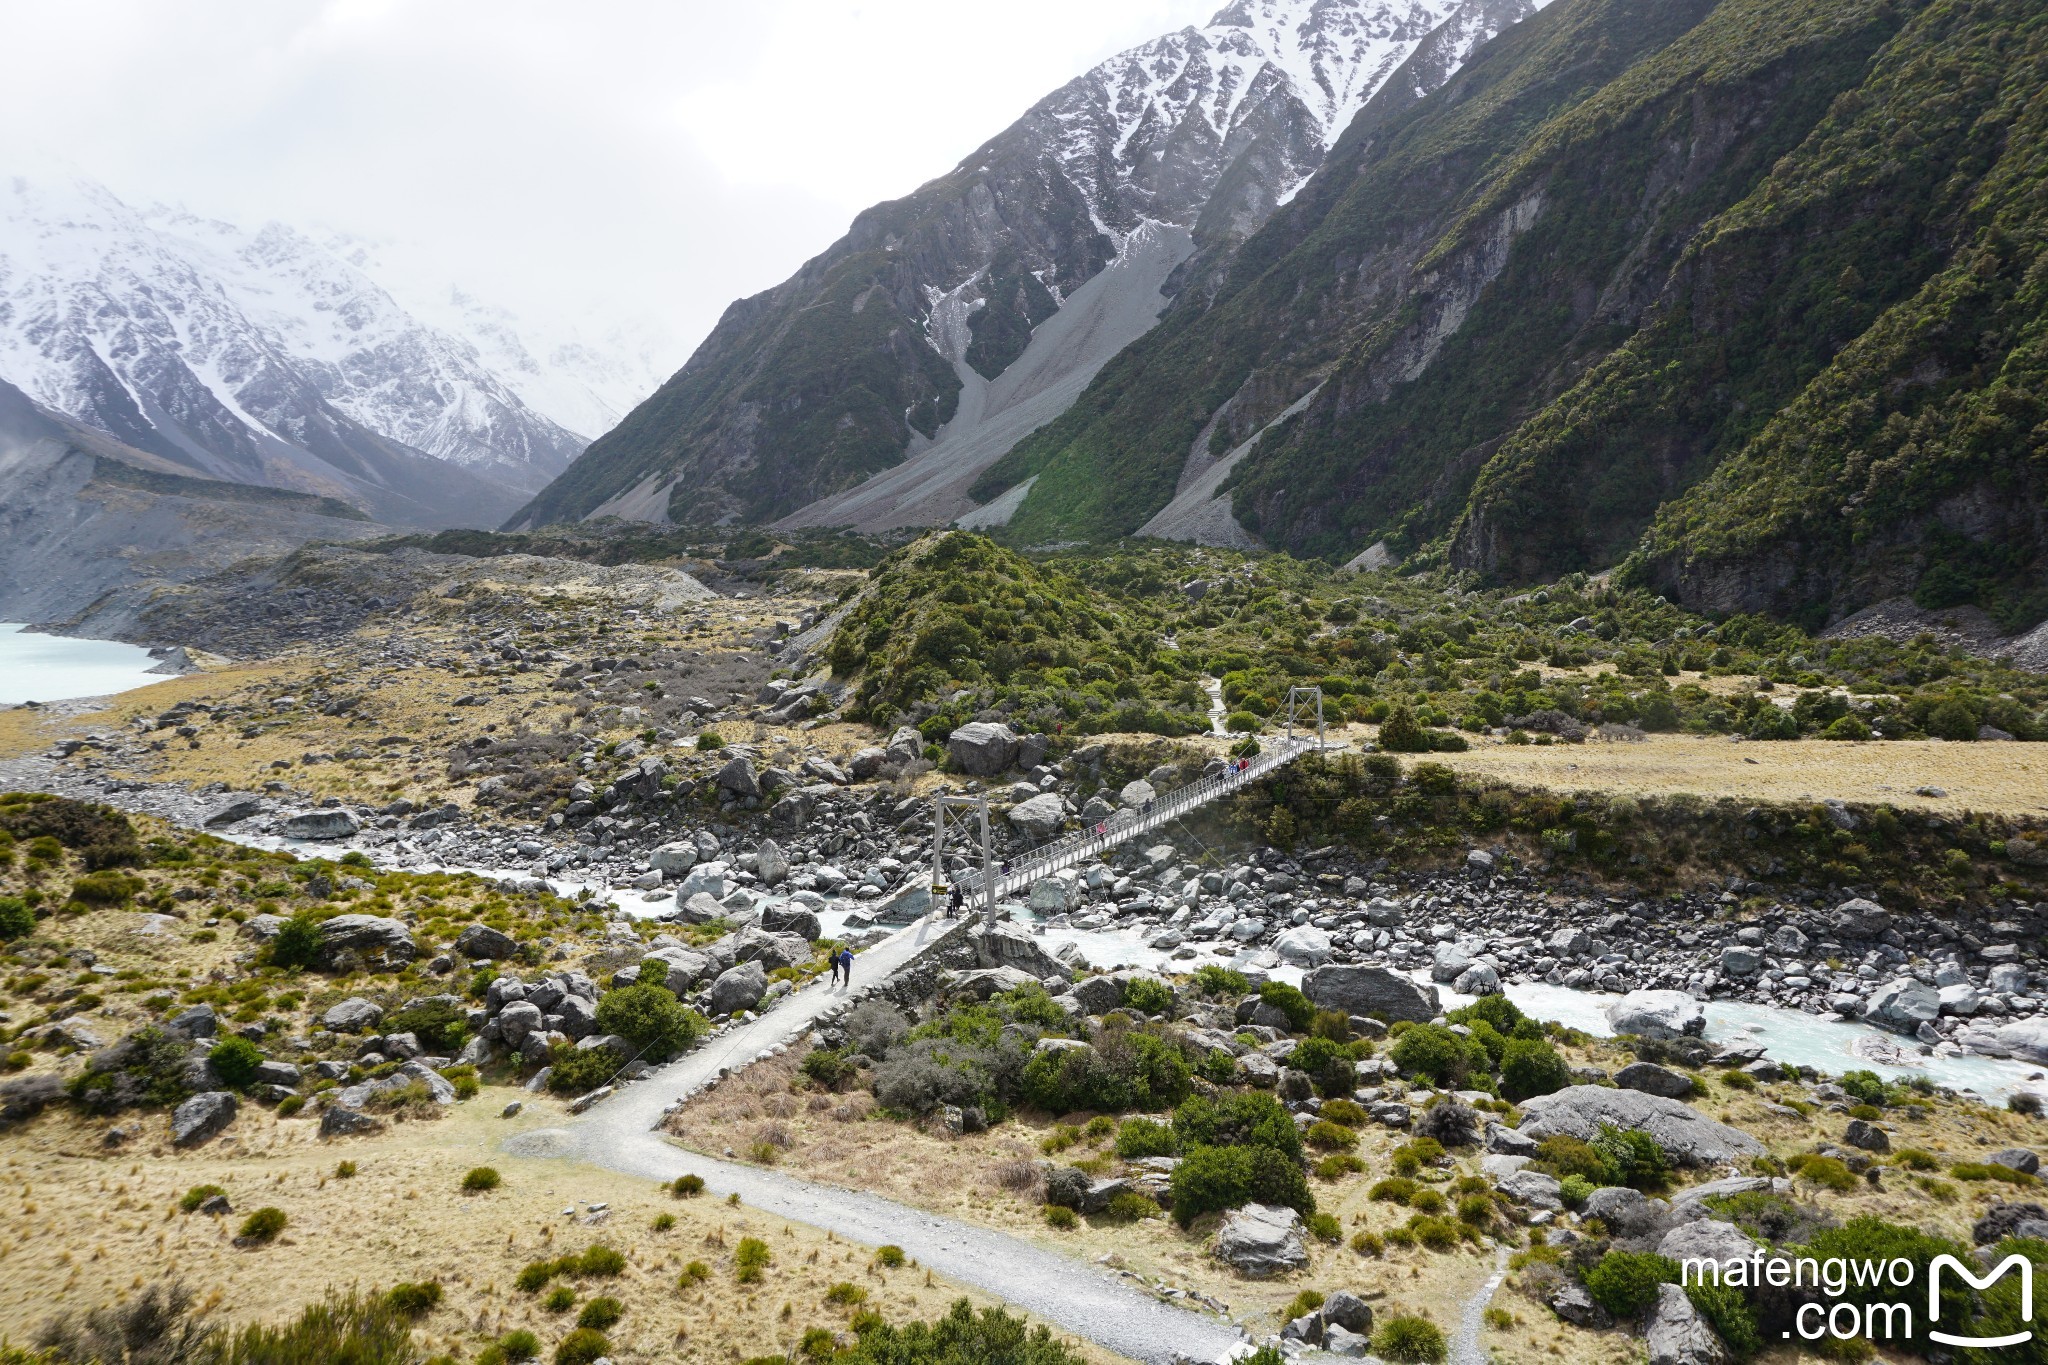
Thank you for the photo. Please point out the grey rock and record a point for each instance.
(231, 810)
(1533, 1188)
(1626, 1212)
(1262, 1239)
(1010, 945)
(354, 1015)
(1369, 990)
(737, 777)
(1707, 1239)
(1652, 1079)
(673, 859)
(1691, 1138)
(1570, 1301)
(1041, 816)
(1346, 1310)
(2003, 1220)
(260, 928)
(517, 1020)
(355, 942)
(1866, 1135)
(982, 748)
(1739, 960)
(773, 950)
(1678, 1335)
(2017, 1159)
(321, 824)
(1303, 946)
(771, 865)
(791, 919)
(197, 1022)
(1658, 1014)
(1903, 1005)
(338, 1120)
(277, 1073)
(480, 940)
(201, 1117)
(738, 988)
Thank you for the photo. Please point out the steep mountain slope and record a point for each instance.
(257, 358)
(881, 345)
(82, 515)
(1782, 247)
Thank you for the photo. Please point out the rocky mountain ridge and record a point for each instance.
(876, 350)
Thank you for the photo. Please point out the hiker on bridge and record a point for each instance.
(953, 902)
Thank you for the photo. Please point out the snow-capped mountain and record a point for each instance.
(894, 346)
(263, 357)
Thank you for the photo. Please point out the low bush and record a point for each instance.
(1211, 1179)
(349, 1329)
(696, 1272)
(1061, 1217)
(1830, 1173)
(17, 920)
(1449, 1121)
(1873, 1241)
(1367, 1243)
(534, 1276)
(264, 1224)
(415, 1300)
(1427, 1200)
(345, 1170)
(651, 1020)
(1575, 1190)
(598, 1262)
(480, 1179)
(575, 1071)
(1325, 1226)
(1147, 996)
(1130, 1207)
(1409, 1340)
(1990, 1170)
(846, 1294)
(1395, 1189)
(560, 1299)
(1411, 1156)
(1916, 1159)
(582, 1346)
(889, 1257)
(442, 1026)
(601, 1313)
(518, 1345)
(1625, 1283)
(750, 1260)
(1438, 1055)
(1350, 1113)
(1330, 1137)
(1142, 1137)
(1530, 1067)
(1729, 1314)
(663, 1222)
(1338, 1165)
(1299, 1009)
(686, 1186)
(198, 1195)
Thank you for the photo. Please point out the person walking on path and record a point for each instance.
(835, 969)
(953, 902)
(846, 966)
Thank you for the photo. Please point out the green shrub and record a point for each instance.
(348, 1329)
(663, 1222)
(16, 919)
(560, 1299)
(1575, 1190)
(889, 1257)
(1529, 1067)
(1367, 1243)
(1409, 1340)
(1395, 1189)
(1437, 1055)
(1325, 1226)
(582, 1346)
(441, 1026)
(709, 739)
(1350, 1113)
(1729, 1314)
(1131, 1207)
(750, 1259)
(480, 1179)
(1210, 1179)
(519, 1345)
(1427, 1200)
(598, 1262)
(1828, 1172)
(1412, 1155)
(1875, 1241)
(1564, 1155)
(415, 1300)
(1989, 1170)
(601, 1313)
(1916, 1159)
(1625, 1282)
(652, 1020)
(1289, 1000)
(696, 1272)
(297, 943)
(345, 1170)
(818, 1344)
(198, 1195)
(1240, 1118)
(534, 1276)
(1330, 1137)
(1147, 996)
(1338, 1165)
(1141, 1137)
(264, 1224)
(1213, 980)
(575, 1071)
(686, 1186)
(846, 1294)
(1633, 1156)
(235, 1061)
(1061, 1217)
(1865, 1087)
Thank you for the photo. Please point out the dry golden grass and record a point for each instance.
(89, 1226)
(1994, 778)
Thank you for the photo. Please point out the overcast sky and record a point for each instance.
(592, 159)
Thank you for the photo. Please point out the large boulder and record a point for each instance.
(519, 1019)
(771, 950)
(1658, 1014)
(1262, 1239)
(338, 1120)
(1707, 1239)
(737, 778)
(982, 748)
(1040, 817)
(738, 988)
(481, 940)
(1688, 1136)
(1903, 1005)
(1652, 1079)
(673, 860)
(354, 1015)
(771, 864)
(681, 968)
(201, 1117)
(792, 919)
(1368, 990)
(321, 824)
(1303, 946)
(1008, 945)
(2026, 1039)
(355, 942)
(1678, 1335)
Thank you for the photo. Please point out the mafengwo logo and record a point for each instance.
(1853, 1284)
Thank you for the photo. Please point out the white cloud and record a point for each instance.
(590, 161)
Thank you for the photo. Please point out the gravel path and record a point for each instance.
(619, 1134)
(1465, 1344)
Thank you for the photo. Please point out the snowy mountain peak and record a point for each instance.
(270, 356)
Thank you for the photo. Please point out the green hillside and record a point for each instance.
(1745, 290)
